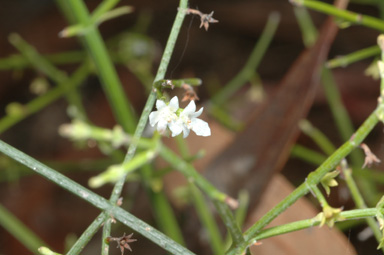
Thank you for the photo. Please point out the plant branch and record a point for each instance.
(352, 17)
(21, 232)
(303, 224)
(253, 62)
(227, 217)
(220, 200)
(112, 86)
(88, 234)
(313, 179)
(359, 200)
(39, 103)
(152, 96)
(207, 219)
(96, 200)
(192, 175)
(41, 64)
(343, 61)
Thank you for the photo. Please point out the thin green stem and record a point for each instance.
(317, 136)
(165, 216)
(356, 56)
(19, 61)
(44, 100)
(117, 12)
(347, 147)
(12, 171)
(36, 59)
(303, 224)
(67, 11)
(21, 232)
(116, 137)
(106, 233)
(41, 64)
(152, 96)
(207, 220)
(88, 234)
(340, 114)
(319, 196)
(200, 204)
(159, 76)
(359, 201)
(161, 208)
(308, 29)
(96, 200)
(313, 179)
(307, 155)
(242, 210)
(227, 217)
(352, 17)
(191, 174)
(345, 128)
(240, 214)
(220, 199)
(104, 7)
(112, 86)
(253, 62)
(182, 147)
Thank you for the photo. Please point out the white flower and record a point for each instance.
(178, 120)
(188, 120)
(164, 115)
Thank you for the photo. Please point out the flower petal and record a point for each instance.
(190, 109)
(197, 114)
(153, 118)
(174, 103)
(162, 126)
(200, 127)
(176, 128)
(160, 104)
(186, 131)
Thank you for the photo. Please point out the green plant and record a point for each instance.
(142, 151)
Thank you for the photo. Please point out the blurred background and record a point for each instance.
(215, 56)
